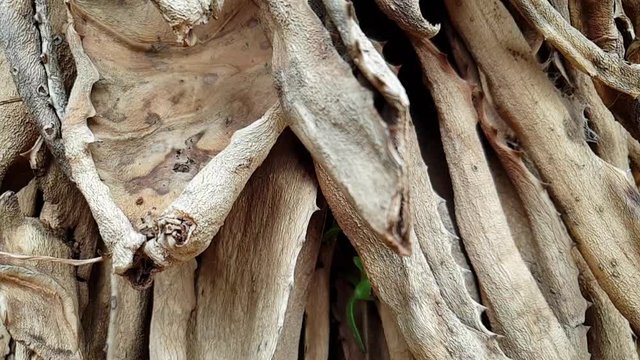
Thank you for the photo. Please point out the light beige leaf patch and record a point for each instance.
(40, 313)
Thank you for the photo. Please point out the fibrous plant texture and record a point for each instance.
(321, 179)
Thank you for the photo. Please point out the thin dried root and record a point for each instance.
(72, 262)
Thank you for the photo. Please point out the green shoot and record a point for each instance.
(362, 292)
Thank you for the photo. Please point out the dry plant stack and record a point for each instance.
(195, 179)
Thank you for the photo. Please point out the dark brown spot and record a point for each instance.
(152, 118)
(181, 167)
(42, 90)
(141, 274)
(177, 97)
(139, 201)
(252, 22)
(159, 178)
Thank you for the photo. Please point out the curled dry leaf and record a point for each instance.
(116, 230)
(527, 101)
(334, 117)
(32, 297)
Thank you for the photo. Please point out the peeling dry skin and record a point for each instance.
(529, 104)
(350, 142)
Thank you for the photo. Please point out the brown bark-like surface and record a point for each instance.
(323, 179)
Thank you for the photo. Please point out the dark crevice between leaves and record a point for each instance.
(140, 275)
(20, 175)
